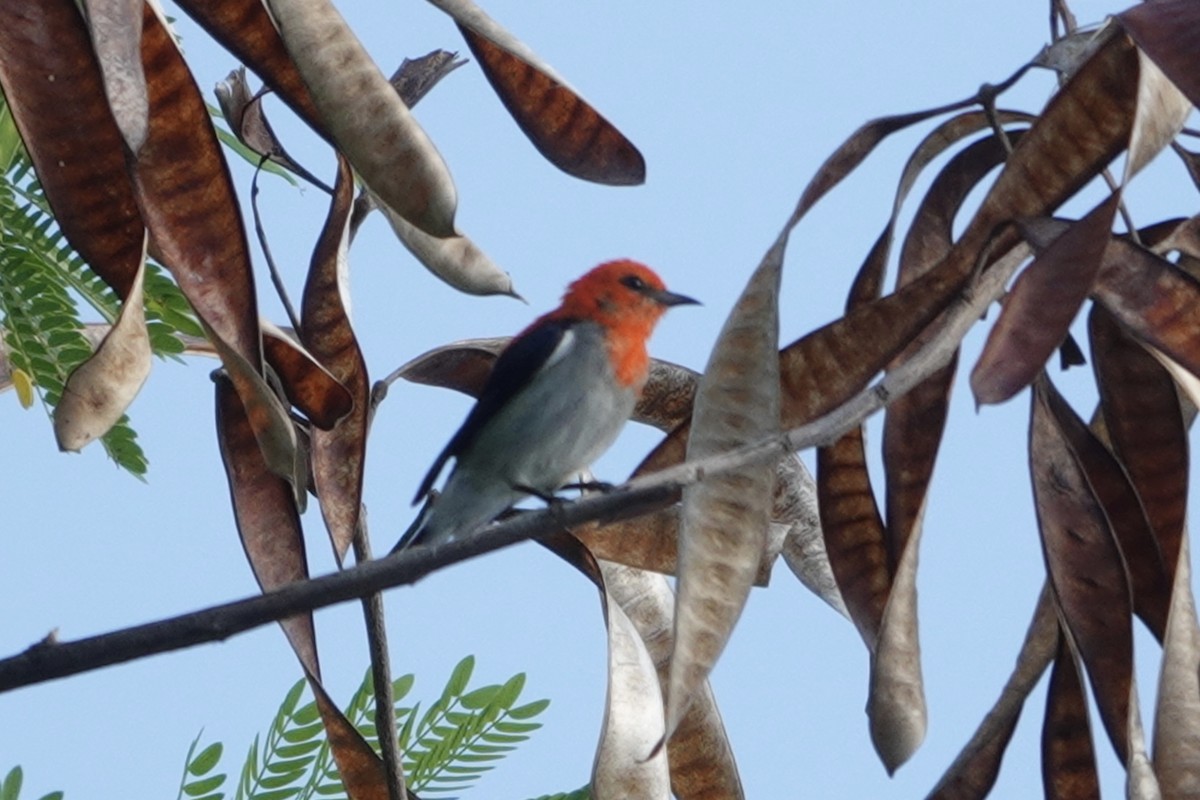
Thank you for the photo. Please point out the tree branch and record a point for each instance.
(49, 660)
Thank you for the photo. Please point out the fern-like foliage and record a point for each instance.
(462, 733)
(447, 748)
(283, 761)
(10, 787)
(42, 282)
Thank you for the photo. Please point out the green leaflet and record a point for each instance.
(10, 787)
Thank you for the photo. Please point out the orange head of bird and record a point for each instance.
(627, 299)
(622, 295)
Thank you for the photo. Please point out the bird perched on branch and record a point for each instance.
(558, 395)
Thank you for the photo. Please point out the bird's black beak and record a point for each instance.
(671, 299)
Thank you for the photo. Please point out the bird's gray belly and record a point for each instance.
(550, 411)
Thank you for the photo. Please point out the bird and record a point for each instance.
(557, 397)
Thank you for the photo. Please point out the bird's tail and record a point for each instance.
(419, 528)
(464, 506)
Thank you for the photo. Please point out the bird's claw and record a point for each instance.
(547, 498)
(604, 487)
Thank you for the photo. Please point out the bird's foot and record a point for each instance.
(604, 487)
(548, 498)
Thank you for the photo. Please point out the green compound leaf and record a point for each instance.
(40, 322)
(462, 736)
(280, 773)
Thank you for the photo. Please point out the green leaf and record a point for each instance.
(402, 686)
(405, 735)
(453, 770)
(204, 785)
(517, 727)
(59, 796)
(297, 750)
(39, 321)
(529, 709)
(436, 709)
(11, 787)
(249, 770)
(469, 758)
(307, 714)
(511, 690)
(479, 697)
(459, 718)
(279, 781)
(303, 733)
(292, 698)
(290, 765)
(460, 677)
(502, 738)
(206, 760)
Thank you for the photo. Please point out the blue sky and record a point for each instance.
(734, 107)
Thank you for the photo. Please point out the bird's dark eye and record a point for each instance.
(634, 282)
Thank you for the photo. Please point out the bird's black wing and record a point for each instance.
(514, 369)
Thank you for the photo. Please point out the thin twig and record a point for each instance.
(1060, 10)
(381, 671)
(276, 278)
(46, 662)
